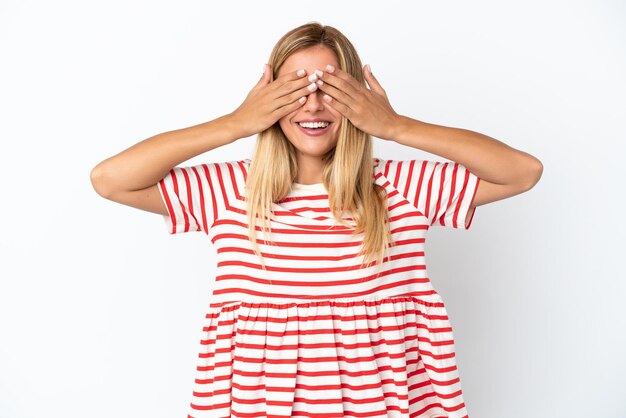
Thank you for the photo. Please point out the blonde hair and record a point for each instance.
(348, 171)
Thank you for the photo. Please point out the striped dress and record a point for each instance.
(314, 335)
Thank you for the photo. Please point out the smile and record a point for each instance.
(314, 131)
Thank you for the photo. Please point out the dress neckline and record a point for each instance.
(298, 190)
(313, 186)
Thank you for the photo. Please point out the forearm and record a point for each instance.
(486, 157)
(145, 163)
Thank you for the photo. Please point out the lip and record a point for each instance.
(313, 120)
(314, 132)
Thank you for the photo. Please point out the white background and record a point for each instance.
(101, 309)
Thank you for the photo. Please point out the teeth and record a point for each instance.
(314, 124)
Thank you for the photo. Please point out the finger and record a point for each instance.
(265, 77)
(295, 95)
(342, 80)
(289, 107)
(280, 82)
(335, 92)
(340, 107)
(372, 81)
(293, 87)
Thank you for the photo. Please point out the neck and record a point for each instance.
(309, 169)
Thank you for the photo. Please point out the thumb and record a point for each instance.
(265, 77)
(371, 80)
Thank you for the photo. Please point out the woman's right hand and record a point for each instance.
(268, 101)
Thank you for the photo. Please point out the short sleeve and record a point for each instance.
(442, 191)
(196, 196)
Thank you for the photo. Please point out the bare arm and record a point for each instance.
(503, 170)
(131, 176)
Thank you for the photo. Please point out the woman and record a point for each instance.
(322, 305)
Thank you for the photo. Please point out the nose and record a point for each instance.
(314, 101)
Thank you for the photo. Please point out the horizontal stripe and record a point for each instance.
(316, 333)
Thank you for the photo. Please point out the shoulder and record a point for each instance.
(223, 174)
(393, 166)
(232, 166)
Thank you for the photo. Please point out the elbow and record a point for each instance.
(533, 173)
(98, 181)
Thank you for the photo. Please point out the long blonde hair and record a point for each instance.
(348, 171)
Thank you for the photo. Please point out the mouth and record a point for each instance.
(314, 129)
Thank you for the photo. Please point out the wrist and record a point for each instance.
(398, 128)
(405, 128)
(235, 126)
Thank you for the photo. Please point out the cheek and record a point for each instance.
(287, 129)
(283, 123)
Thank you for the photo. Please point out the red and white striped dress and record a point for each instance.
(323, 338)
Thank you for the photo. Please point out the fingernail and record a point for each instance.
(327, 97)
(320, 82)
(319, 73)
(302, 99)
(330, 68)
(300, 73)
(313, 77)
(312, 87)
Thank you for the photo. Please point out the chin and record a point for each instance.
(317, 152)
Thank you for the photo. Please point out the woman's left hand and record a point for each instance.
(367, 108)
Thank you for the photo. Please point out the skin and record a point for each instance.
(503, 170)
(311, 149)
(131, 176)
(368, 110)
